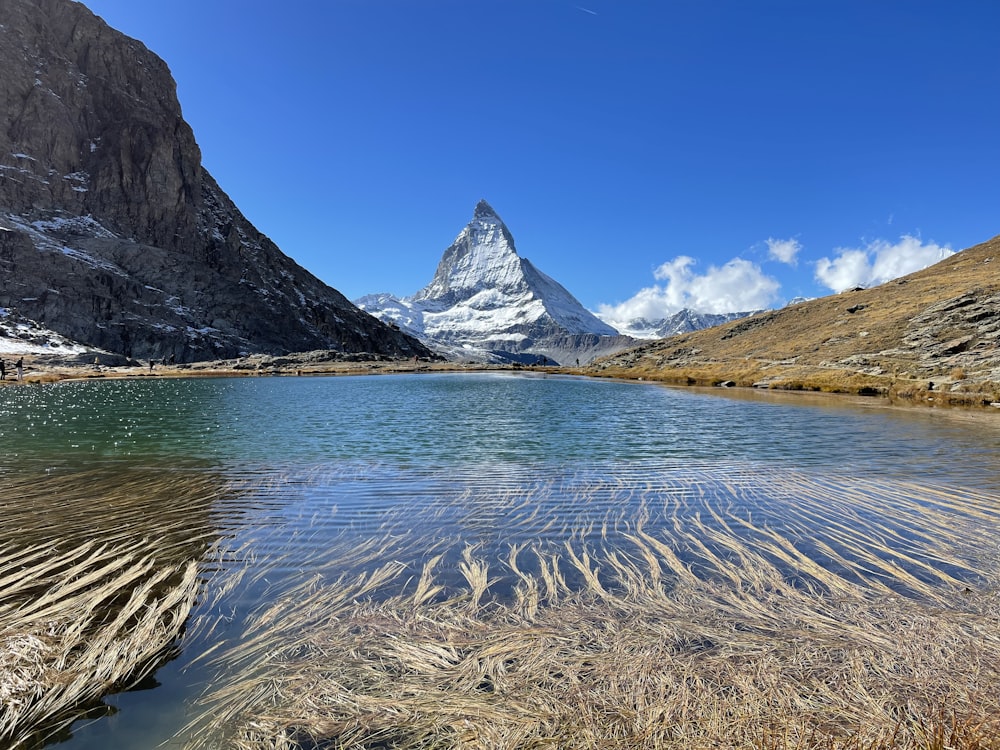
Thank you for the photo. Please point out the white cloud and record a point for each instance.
(878, 263)
(737, 286)
(783, 251)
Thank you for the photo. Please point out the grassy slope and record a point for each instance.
(940, 324)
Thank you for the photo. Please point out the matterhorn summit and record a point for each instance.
(482, 256)
(487, 303)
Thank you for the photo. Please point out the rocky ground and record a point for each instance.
(113, 233)
(48, 368)
(41, 369)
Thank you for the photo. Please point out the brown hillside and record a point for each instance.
(940, 325)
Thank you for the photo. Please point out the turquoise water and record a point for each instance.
(490, 459)
(435, 421)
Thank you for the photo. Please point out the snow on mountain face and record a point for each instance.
(486, 302)
(481, 257)
(22, 336)
(683, 321)
(482, 270)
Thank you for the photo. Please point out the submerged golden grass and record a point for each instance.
(103, 619)
(846, 614)
(78, 617)
(718, 607)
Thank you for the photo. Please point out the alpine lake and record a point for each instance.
(348, 530)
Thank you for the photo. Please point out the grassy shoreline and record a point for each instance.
(759, 376)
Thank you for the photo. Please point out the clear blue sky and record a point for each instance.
(615, 137)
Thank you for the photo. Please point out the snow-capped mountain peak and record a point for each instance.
(682, 321)
(486, 299)
(482, 255)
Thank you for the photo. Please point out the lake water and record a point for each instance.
(271, 470)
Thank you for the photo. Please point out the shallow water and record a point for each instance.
(275, 470)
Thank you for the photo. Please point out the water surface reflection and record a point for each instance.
(277, 477)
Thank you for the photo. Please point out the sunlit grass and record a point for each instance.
(690, 607)
(102, 618)
(96, 585)
(937, 325)
(845, 614)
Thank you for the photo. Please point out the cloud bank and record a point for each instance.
(737, 286)
(877, 263)
(740, 285)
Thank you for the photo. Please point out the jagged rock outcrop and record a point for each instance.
(111, 231)
(487, 303)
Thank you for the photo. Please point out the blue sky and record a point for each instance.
(647, 154)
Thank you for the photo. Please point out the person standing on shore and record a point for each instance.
(20, 369)
(3, 369)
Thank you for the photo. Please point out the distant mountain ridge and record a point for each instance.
(683, 321)
(487, 303)
(111, 231)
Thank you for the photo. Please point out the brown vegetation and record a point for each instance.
(94, 593)
(938, 326)
(77, 624)
(46, 369)
(691, 625)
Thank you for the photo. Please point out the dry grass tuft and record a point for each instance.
(75, 625)
(81, 618)
(851, 624)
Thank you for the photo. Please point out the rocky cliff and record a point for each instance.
(111, 231)
(487, 303)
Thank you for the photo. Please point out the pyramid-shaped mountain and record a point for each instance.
(487, 303)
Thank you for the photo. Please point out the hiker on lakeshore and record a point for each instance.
(3, 369)
(20, 368)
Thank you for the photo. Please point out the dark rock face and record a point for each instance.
(111, 231)
(959, 332)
